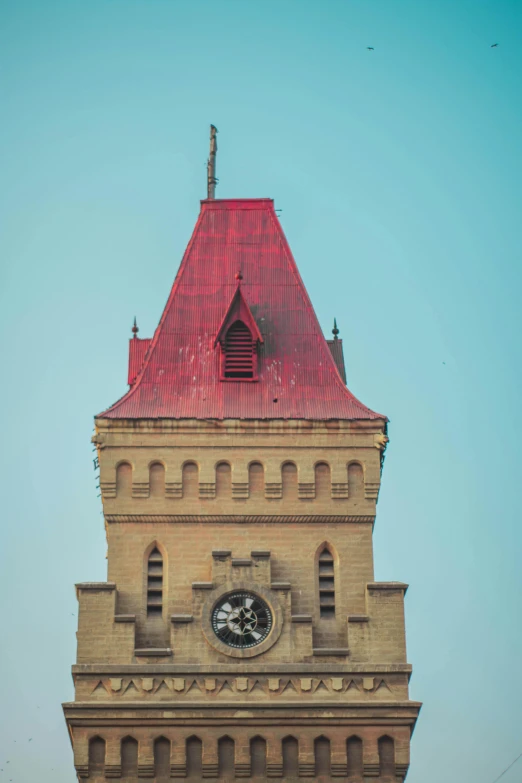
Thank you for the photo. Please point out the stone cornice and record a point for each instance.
(252, 668)
(99, 714)
(246, 427)
(244, 707)
(236, 519)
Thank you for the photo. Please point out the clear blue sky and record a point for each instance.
(399, 173)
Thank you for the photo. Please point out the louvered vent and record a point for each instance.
(326, 584)
(155, 583)
(239, 357)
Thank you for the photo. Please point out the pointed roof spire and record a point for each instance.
(135, 329)
(179, 374)
(335, 330)
(211, 164)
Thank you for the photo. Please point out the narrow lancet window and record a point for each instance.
(155, 583)
(326, 583)
(386, 756)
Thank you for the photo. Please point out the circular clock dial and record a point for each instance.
(241, 620)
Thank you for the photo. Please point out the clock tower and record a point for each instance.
(241, 632)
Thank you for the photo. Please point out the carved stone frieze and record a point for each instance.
(211, 687)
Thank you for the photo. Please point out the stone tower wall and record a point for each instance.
(240, 505)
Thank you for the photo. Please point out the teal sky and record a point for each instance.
(399, 176)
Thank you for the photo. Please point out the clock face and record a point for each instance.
(241, 620)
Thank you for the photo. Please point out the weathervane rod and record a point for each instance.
(211, 164)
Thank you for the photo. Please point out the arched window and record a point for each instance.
(155, 583)
(194, 749)
(355, 481)
(129, 757)
(322, 756)
(258, 757)
(354, 753)
(289, 481)
(256, 480)
(290, 757)
(238, 352)
(323, 487)
(124, 480)
(326, 583)
(387, 756)
(226, 757)
(157, 480)
(223, 480)
(190, 479)
(96, 755)
(162, 759)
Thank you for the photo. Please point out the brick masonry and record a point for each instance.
(250, 506)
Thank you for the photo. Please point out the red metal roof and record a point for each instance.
(180, 374)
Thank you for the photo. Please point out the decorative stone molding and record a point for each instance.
(306, 490)
(181, 618)
(140, 489)
(108, 489)
(153, 652)
(371, 490)
(207, 490)
(339, 490)
(313, 686)
(96, 586)
(339, 651)
(358, 618)
(240, 490)
(125, 618)
(234, 519)
(306, 769)
(273, 490)
(301, 618)
(173, 489)
(400, 587)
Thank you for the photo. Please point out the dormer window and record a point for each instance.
(238, 352)
(238, 338)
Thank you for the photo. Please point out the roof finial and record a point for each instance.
(239, 276)
(135, 329)
(211, 164)
(335, 330)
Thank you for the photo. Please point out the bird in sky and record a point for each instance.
(493, 46)
(370, 48)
